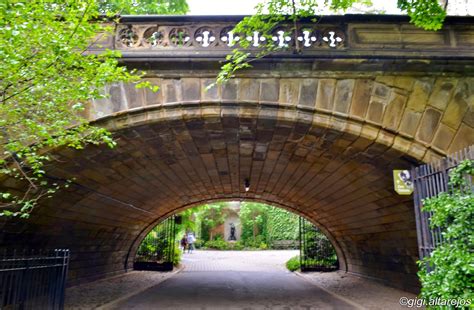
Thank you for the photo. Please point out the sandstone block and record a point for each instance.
(210, 92)
(443, 137)
(308, 93)
(409, 123)
(442, 92)
(419, 96)
(376, 110)
(229, 90)
(429, 123)
(343, 96)
(469, 116)
(404, 82)
(289, 91)
(325, 94)
(171, 90)
(135, 97)
(248, 90)
(457, 107)
(191, 89)
(417, 151)
(381, 90)
(394, 111)
(386, 79)
(150, 97)
(269, 90)
(464, 138)
(100, 108)
(361, 97)
(117, 97)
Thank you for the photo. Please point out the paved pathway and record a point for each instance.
(235, 280)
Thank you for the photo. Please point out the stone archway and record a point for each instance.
(134, 246)
(177, 156)
(317, 134)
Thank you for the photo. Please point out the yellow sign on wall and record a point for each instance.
(402, 182)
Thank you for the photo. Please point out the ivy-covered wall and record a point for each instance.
(282, 225)
(261, 225)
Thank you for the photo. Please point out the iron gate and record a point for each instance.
(36, 281)
(156, 251)
(316, 251)
(429, 180)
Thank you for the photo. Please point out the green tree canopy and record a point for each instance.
(46, 79)
(137, 7)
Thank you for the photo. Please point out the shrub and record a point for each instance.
(199, 243)
(451, 276)
(293, 263)
(236, 246)
(218, 244)
(256, 244)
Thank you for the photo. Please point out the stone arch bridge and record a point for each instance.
(317, 133)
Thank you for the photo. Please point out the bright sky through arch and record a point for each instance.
(246, 7)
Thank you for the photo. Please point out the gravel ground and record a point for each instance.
(98, 293)
(369, 294)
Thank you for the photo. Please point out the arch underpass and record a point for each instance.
(320, 143)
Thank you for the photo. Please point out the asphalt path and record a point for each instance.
(234, 280)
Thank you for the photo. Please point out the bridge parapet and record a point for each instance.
(350, 36)
(197, 36)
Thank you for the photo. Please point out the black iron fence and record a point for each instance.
(157, 250)
(33, 280)
(430, 180)
(316, 251)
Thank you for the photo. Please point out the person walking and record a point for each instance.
(184, 242)
(190, 240)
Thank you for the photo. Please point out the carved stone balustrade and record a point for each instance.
(375, 40)
(209, 36)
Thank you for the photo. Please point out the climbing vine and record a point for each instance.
(262, 223)
(282, 225)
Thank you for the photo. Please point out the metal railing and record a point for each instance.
(156, 251)
(430, 180)
(33, 280)
(316, 251)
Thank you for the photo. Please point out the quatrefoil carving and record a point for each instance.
(153, 37)
(180, 37)
(307, 37)
(281, 37)
(333, 38)
(128, 37)
(205, 37)
(228, 37)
